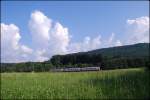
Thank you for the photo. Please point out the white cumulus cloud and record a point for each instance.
(138, 30)
(11, 49)
(48, 37)
(86, 45)
(59, 39)
(40, 26)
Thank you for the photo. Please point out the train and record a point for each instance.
(77, 69)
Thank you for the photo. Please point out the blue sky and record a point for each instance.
(82, 18)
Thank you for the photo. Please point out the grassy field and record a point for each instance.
(124, 83)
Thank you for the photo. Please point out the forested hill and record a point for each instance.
(136, 55)
(136, 50)
(128, 56)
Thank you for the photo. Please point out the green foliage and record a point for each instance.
(108, 58)
(112, 84)
(80, 59)
(26, 67)
(129, 51)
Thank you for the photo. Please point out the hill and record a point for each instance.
(136, 50)
(136, 55)
(129, 56)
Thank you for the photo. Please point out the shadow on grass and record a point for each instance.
(126, 85)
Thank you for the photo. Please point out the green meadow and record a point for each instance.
(111, 84)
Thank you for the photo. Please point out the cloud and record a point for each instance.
(86, 45)
(138, 30)
(111, 38)
(11, 49)
(112, 41)
(39, 56)
(26, 49)
(59, 39)
(48, 37)
(10, 33)
(118, 43)
(40, 26)
(52, 38)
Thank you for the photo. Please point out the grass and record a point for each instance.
(114, 84)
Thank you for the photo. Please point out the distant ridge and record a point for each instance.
(136, 50)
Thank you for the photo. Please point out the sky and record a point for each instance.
(37, 30)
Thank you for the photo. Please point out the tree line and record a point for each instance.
(77, 60)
